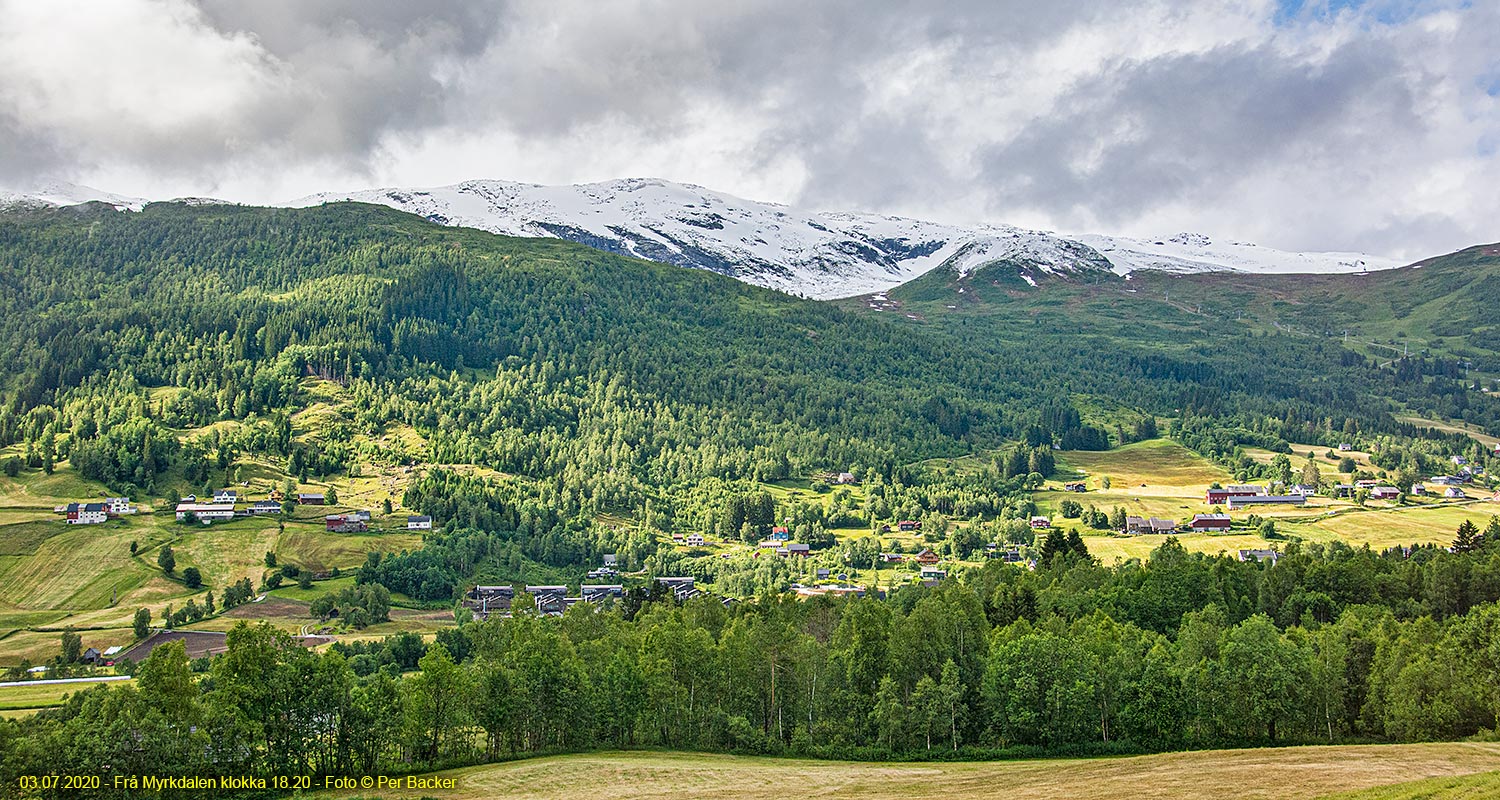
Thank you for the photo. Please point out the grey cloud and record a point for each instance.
(1185, 130)
(1190, 127)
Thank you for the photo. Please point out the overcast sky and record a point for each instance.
(1302, 124)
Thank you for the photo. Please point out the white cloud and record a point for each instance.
(1327, 130)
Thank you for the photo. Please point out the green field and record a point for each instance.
(55, 576)
(1292, 773)
(1164, 479)
(44, 695)
(1467, 787)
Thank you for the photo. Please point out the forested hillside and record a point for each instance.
(595, 385)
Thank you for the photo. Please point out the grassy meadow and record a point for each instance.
(1481, 786)
(1164, 479)
(1291, 773)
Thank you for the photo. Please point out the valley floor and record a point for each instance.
(1290, 773)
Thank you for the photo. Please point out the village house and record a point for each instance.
(798, 549)
(695, 540)
(1040, 523)
(226, 496)
(205, 512)
(1455, 493)
(483, 600)
(1259, 555)
(345, 523)
(1236, 503)
(1210, 523)
(781, 534)
(600, 593)
(822, 573)
(610, 560)
(312, 499)
(847, 478)
(265, 507)
(86, 513)
(682, 588)
(419, 522)
(1136, 526)
(602, 572)
(1304, 489)
(1343, 490)
(1366, 484)
(931, 576)
(1075, 487)
(1223, 494)
(1346, 447)
(908, 525)
(927, 557)
(1418, 489)
(892, 558)
(1384, 493)
(116, 506)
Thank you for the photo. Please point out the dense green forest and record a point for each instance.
(1326, 644)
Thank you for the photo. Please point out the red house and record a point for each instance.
(1208, 523)
(1218, 497)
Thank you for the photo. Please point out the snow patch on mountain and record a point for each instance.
(1195, 252)
(53, 194)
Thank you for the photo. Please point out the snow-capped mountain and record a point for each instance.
(60, 193)
(823, 255)
(816, 254)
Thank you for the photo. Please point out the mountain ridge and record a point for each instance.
(817, 254)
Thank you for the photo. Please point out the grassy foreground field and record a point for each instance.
(1292, 773)
(1467, 787)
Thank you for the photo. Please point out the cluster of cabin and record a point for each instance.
(554, 600)
(87, 513)
(1241, 496)
(226, 504)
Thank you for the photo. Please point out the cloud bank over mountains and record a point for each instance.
(1332, 126)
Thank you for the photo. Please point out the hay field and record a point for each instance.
(1292, 773)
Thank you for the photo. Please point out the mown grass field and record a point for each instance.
(1292, 773)
(1484, 786)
